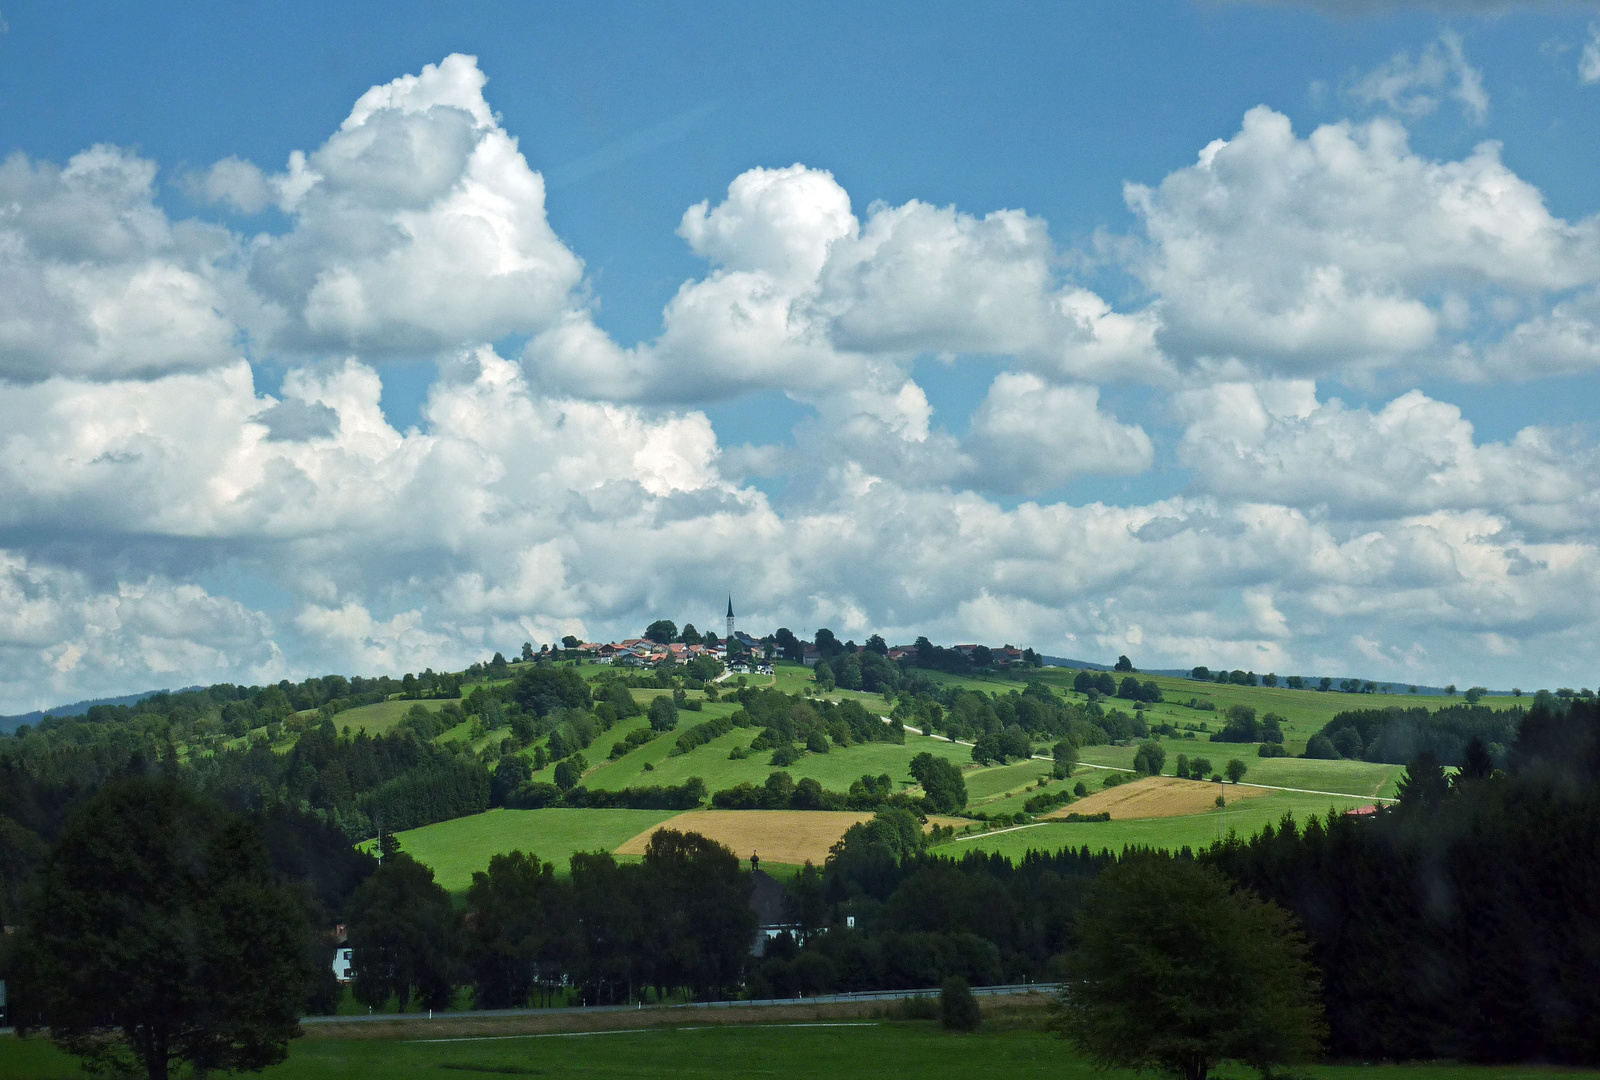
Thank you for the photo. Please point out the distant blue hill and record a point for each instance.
(9, 724)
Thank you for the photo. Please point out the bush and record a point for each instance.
(915, 1008)
(1043, 804)
(1104, 815)
(701, 734)
(1149, 758)
(958, 1009)
(1080, 789)
(535, 795)
(784, 756)
(1321, 747)
(1271, 749)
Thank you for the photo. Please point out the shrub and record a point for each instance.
(1270, 749)
(1149, 758)
(915, 1008)
(1043, 804)
(958, 1009)
(1321, 747)
(784, 756)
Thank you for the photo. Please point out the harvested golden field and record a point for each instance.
(1158, 796)
(780, 836)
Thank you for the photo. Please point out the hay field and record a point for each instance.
(1157, 797)
(780, 836)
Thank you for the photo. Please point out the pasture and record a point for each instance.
(780, 836)
(1246, 817)
(1304, 711)
(380, 717)
(456, 848)
(1371, 779)
(820, 1049)
(834, 770)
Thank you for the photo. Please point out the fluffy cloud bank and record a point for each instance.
(166, 520)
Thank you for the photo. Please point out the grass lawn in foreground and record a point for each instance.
(841, 1050)
(454, 849)
(1194, 831)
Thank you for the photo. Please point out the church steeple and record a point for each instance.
(730, 618)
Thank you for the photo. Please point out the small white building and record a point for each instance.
(341, 963)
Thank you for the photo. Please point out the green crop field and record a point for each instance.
(1194, 831)
(380, 717)
(458, 847)
(827, 1051)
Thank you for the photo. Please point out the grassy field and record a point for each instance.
(1172, 833)
(456, 848)
(1344, 777)
(378, 718)
(1305, 711)
(834, 770)
(991, 783)
(829, 1050)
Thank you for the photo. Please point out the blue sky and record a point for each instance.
(1026, 363)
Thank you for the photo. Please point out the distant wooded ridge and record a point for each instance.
(9, 724)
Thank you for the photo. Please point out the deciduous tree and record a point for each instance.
(1178, 972)
(161, 935)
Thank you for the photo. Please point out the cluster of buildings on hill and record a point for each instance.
(742, 652)
(738, 650)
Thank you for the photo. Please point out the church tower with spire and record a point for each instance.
(730, 618)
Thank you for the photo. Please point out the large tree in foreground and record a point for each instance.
(1178, 971)
(161, 935)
